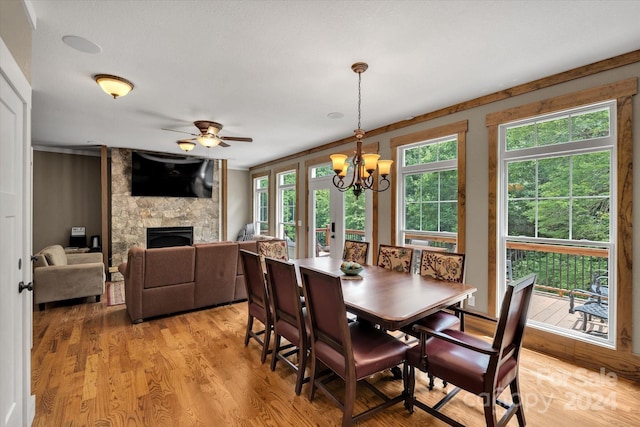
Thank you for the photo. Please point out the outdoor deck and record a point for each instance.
(554, 310)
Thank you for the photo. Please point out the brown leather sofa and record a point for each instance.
(170, 280)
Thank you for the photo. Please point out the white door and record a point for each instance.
(336, 216)
(15, 306)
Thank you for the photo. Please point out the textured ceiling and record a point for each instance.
(274, 70)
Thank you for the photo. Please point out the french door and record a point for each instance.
(334, 217)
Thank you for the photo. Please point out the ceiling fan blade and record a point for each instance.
(179, 131)
(236, 138)
(224, 144)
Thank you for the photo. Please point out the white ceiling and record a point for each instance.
(274, 70)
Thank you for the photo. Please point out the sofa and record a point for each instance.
(162, 281)
(59, 276)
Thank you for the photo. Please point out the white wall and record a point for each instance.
(238, 201)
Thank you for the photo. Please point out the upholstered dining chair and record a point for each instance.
(355, 251)
(274, 248)
(351, 351)
(482, 368)
(397, 258)
(258, 303)
(288, 318)
(447, 266)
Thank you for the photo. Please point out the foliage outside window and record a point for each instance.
(261, 203)
(557, 186)
(287, 205)
(429, 188)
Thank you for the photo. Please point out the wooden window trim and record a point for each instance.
(458, 128)
(621, 360)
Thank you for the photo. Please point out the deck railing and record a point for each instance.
(559, 268)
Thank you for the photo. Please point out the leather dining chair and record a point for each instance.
(351, 351)
(355, 251)
(397, 258)
(482, 368)
(288, 318)
(274, 248)
(258, 303)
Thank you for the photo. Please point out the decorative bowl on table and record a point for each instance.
(351, 268)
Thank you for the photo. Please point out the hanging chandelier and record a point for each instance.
(364, 165)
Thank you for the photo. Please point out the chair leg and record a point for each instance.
(431, 382)
(276, 349)
(411, 386)
(247, 335)
(266, 340)
(349, 401)
(312, 378)
(515, 396)
(489, 403)
(302, 367)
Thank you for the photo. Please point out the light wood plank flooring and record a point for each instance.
(92, 367)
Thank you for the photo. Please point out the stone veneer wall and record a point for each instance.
(130, 216)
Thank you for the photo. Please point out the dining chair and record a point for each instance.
(480, 367)
(397, 258)
(288, 318)
(273, 248)
(350, 351)
(258, 303)
(355, 251)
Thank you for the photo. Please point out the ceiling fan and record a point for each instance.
(207, 137)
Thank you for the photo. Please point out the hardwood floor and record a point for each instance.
(92, 367)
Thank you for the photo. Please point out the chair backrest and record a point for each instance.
(254, 279)
(327, 315)
(355, 251)
(447, 266)
(397, 258)
(274, 248)
(284, 293)
(513, 317)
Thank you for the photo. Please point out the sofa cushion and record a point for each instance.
(169, 266)
(54, 255)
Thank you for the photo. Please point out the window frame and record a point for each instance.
(257, 192)
(280, 189)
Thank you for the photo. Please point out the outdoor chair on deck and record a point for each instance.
(257, 301)
(483, 368)
(597, 302)
(355, 251)
(351, 351)
(288, 318)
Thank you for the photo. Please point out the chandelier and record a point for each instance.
(364, 165)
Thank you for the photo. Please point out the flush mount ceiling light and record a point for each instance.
(364, 165)
(114, 85)
(186, 144)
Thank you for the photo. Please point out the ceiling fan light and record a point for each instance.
(208, 140)
(186, 144)
(114, 85)
(212, 130)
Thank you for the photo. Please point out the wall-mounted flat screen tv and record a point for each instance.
(160, 175)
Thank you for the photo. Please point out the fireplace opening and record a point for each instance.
(162, 237)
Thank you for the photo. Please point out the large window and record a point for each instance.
(557, 178)
(286, 209)
(428, 189)
(261, 204)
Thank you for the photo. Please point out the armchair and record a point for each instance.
(58, 276)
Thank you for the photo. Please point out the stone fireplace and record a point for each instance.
(132, 216)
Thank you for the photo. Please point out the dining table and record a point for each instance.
(388, 298)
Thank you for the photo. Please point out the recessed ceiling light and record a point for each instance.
(335, 115)
(81, 44)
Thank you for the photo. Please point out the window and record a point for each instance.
(286, 213)
(428, 188)
(261, 204)
(557, 178)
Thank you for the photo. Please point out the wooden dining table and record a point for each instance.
(389, 298)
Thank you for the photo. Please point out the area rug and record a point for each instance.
(115, 293)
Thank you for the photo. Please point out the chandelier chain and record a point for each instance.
(359, 99)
